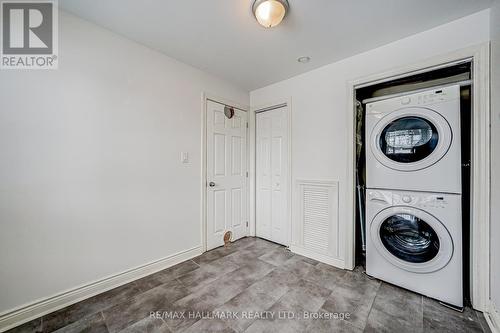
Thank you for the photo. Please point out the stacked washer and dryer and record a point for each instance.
(413, 196)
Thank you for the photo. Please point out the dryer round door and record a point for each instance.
(411, 139)
(411, 239)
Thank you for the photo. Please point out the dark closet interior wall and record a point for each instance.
(466, 132)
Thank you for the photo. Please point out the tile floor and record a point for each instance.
(250, 281)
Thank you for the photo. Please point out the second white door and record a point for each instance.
(272, 218)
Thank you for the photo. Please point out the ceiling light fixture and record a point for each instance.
(270, 13)
(304, 60)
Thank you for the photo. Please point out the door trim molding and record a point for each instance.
(252, 138)
(205, 97)
(480, 57)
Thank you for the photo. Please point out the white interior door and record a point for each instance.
(226, 174)
(272, 220)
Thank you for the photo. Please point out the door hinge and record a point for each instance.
(247, 174)
(247, 125)
(247, 224)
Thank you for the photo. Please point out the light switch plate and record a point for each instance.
(184, 157)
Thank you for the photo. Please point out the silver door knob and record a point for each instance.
(211, 184)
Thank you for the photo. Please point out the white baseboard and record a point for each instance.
(25, 313)
(316, 256)
(493, 318)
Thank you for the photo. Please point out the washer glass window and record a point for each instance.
(409, 139)
(409, 238)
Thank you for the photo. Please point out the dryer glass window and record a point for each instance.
(409, 139)
(409, 238)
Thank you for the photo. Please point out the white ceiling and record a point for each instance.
(223, 38)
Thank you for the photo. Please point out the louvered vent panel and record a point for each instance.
(319, 217)
(316, 218)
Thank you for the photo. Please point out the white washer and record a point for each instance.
(414, 240)
(413, 142)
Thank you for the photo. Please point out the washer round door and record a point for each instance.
(411, 239)
(411, 139)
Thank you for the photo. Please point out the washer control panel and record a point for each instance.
(421, 200)
(427, 97)
(439, 95)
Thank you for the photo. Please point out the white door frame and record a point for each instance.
(287, 103)
(480, 216)
(205, 97)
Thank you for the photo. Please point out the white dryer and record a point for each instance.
(413, 142)
(414, 240)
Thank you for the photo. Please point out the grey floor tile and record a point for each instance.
(251, 272)
(297, 266)
(309, 260)
(75, 312)
(277, 257)
(343, 300)
(357, 280)
(222, 265)
(198, 278)
(254, 244)
(325, 275)
(306, 296)
(261, 247)
(259, 242)
(215, 254)
(222, 290)
(360, 316)
(148, 325)
(257, 298)
(153, 280)
(244, 256)
(205, 299)
(129, 312)
(355, 302)
(277, 326)
(282, 276)
(275, 284)
(283, 317)
(94, 323)
(331, 324)
(209, 326)
(257, 276)
(181, 269)
(438, 318)
(207, 273)
(252, 250)
(395, 308)
(244, 242)
(188, 308)
(379, 321)
(398, 301)
(29, 327)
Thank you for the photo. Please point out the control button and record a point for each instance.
(406, 199)
(405, 100)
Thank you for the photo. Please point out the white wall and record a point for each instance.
(495, 154)
(91, 182)
(319, 99)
